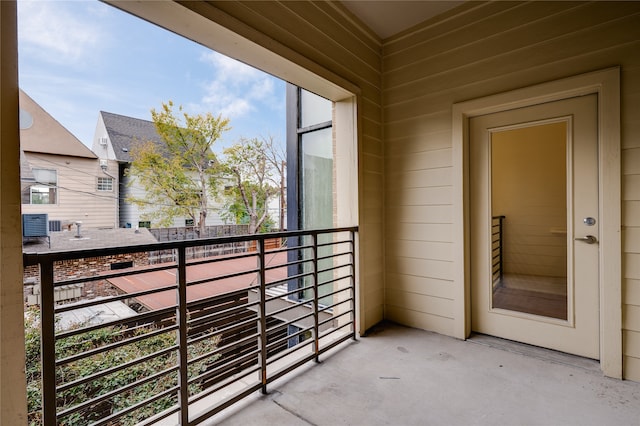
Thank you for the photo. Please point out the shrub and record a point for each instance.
(69, 371)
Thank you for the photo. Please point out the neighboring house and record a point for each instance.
(114, 137)
(61, 176)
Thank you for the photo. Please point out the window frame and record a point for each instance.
(48, 185)
(108, 179)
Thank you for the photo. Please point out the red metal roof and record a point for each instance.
(158, 279)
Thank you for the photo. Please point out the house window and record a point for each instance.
(105, 184)
(189, 222)
(144, 224)
(45, 189)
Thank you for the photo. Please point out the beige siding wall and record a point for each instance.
(478, 50)
(78, 198)
(324, 35)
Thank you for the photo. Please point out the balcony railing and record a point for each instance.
(196, 335)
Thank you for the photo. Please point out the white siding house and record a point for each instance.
(114, 136)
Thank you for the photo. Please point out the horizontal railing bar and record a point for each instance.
(221, 258)
(235, 326)
(335, 343)
(333, 305)
(115, 392)
(232, 363)
(289, 351)
(280, 341)
(298, 262)
(333, 268)
(290, 278)
(294, 291)
(94, 302)
(159, 416)
(340, 290)
(335, 317)
(225, 404)
(224, 383)
(207, 301)
(293, 305)
(333, 280)
(223, 277)
(136, 318)
(115, 369)
(115, 345)
(334, 243)
(220, 350)
(32, 258)
(121, 273)
(275, 376)
(334, 255)
(121, 413)
(221, 314)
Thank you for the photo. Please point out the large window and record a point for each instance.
(310, 150)
(45, 190)
(311, 189)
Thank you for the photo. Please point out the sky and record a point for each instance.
(77, 58)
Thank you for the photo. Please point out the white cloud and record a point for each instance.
(50, 31)
(236, 89)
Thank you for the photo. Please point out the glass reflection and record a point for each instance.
(529, 226)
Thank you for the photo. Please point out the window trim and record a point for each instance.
(48, 185)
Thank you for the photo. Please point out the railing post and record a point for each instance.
(262, 319)
(353, 283)
(316, 300)
(48, 343)
(181, 316)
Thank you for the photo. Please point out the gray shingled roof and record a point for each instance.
(125, 131)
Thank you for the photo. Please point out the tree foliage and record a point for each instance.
(251, 167)
(179, 174)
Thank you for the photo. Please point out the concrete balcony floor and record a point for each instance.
(404, 376)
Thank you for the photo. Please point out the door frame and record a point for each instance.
(606, 84)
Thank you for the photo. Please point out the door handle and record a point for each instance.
(589, 239)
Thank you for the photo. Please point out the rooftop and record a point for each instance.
(90, 238)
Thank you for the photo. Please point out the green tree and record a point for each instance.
(254, 179)
(179, 174)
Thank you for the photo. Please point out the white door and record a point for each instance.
(534, 225)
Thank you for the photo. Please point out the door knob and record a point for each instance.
(589, 239)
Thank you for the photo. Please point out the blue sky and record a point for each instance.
(77, 58)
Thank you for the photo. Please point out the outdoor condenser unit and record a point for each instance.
(35, 225)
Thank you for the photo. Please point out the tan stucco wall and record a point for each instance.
(474, 51)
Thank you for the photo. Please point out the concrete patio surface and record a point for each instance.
(402, 376)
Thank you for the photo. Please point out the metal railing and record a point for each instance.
(213, 332)
(497, 244)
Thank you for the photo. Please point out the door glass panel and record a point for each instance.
(529, 226)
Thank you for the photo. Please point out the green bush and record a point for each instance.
(69, 372)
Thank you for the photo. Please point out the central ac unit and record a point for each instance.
(35, 225)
